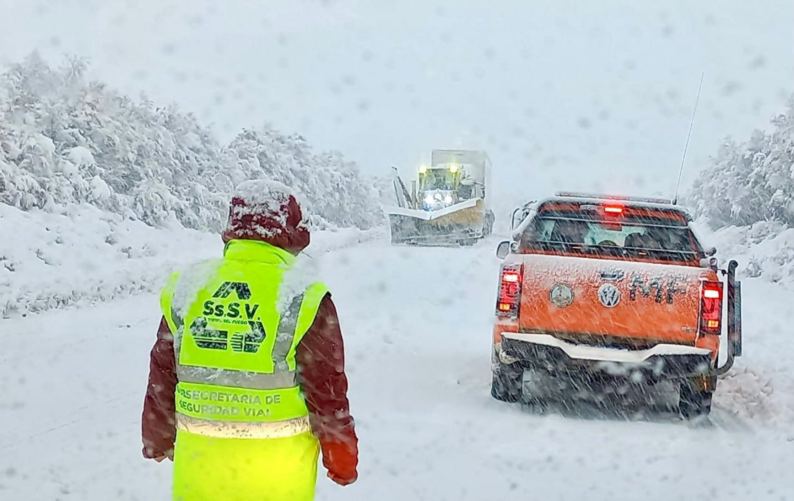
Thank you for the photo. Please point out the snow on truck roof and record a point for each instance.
(530, 208)
(638, 202)
(597, 196)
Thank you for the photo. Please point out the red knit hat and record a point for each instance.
(267, 211)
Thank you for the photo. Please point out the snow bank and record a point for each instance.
(80, 254)
(764, 250)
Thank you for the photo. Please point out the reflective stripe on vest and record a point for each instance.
(231, 429)
(235, 351)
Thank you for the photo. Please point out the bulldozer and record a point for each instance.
(447, 204)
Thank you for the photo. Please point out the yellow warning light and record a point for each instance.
(453, 168)
(422, 169)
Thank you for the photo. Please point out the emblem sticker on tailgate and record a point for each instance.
(561, 295)
(609, 295)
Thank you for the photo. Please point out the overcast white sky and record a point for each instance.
(587, 95)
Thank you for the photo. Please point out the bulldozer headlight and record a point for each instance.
(448, 199)
(429, 199)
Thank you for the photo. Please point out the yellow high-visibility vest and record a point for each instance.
(237, 323)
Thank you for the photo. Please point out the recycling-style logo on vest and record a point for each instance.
(240, 288)
(217, 311)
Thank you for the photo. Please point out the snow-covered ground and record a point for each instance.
(79, 255)
(765, 249)
(417, 327)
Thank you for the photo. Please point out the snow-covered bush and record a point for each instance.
(330, 186)
(764, 249)
(65, 140)
(752, 181)
(747, 194)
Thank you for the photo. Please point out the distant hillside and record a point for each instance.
(65, 140)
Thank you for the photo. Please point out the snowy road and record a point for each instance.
(417, 326)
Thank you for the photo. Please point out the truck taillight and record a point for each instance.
(711, 308)
(509, 298)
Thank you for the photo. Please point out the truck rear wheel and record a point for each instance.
(694, 402)
(507, 382)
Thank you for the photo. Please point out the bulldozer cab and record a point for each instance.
(445, 179)
(453, 178)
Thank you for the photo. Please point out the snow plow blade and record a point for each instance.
(462, 223)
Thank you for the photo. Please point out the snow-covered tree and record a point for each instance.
(332, 187)
(66, 140)
(751, 181)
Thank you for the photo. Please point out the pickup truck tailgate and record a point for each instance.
(610, 298)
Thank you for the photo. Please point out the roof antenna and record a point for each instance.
(688, 137)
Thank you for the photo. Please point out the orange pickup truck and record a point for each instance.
(597, 294)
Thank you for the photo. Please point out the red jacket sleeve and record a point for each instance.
(321, 368)
(158, 422)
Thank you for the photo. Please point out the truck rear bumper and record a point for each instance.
(555, 356)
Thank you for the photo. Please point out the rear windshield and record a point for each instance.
(575, 233)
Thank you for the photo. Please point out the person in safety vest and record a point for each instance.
(246, 380)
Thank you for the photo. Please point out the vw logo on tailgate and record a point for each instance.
(609, 295)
